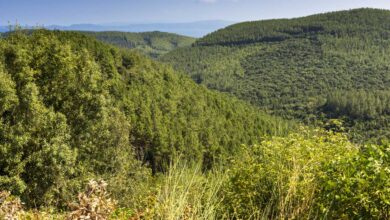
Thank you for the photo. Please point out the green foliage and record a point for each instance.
(153, 44)
(310, 174)
(278, 178)
(358, 104)
(72, 109)
(365, 113)
(290, 66)
(34, 139)
(357, 186)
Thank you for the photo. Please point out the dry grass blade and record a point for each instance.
(94, 203)
(10, 207)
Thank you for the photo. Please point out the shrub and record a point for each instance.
(357, 187)
(278, 178)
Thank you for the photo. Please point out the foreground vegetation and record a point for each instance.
(311, 174)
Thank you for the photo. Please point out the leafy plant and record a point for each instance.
(357, 186)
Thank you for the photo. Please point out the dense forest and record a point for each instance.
(89, 130)
(153, 44)
(69, 101)
(290, 67)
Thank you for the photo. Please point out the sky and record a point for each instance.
(66, 12)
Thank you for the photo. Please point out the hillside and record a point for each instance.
(291, 67)
(153, 44)
(146, 142)
(72, 108)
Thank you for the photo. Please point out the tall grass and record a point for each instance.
(187, 193)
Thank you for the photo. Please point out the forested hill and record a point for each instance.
(358, 22)
(293, 67)
(153, 44)
(73, 108)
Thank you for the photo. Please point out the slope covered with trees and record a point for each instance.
(153, 44)
(74, 111)
(291, 66)
(73, 108)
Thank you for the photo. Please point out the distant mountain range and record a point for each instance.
(194, 29)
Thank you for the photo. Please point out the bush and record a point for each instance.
(358, 186)
(278, 178)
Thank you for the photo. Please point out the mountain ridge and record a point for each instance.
(279, 29)
(193, 29)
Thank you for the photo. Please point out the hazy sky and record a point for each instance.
(65, 12)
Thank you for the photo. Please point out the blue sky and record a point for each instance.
(65, 12)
